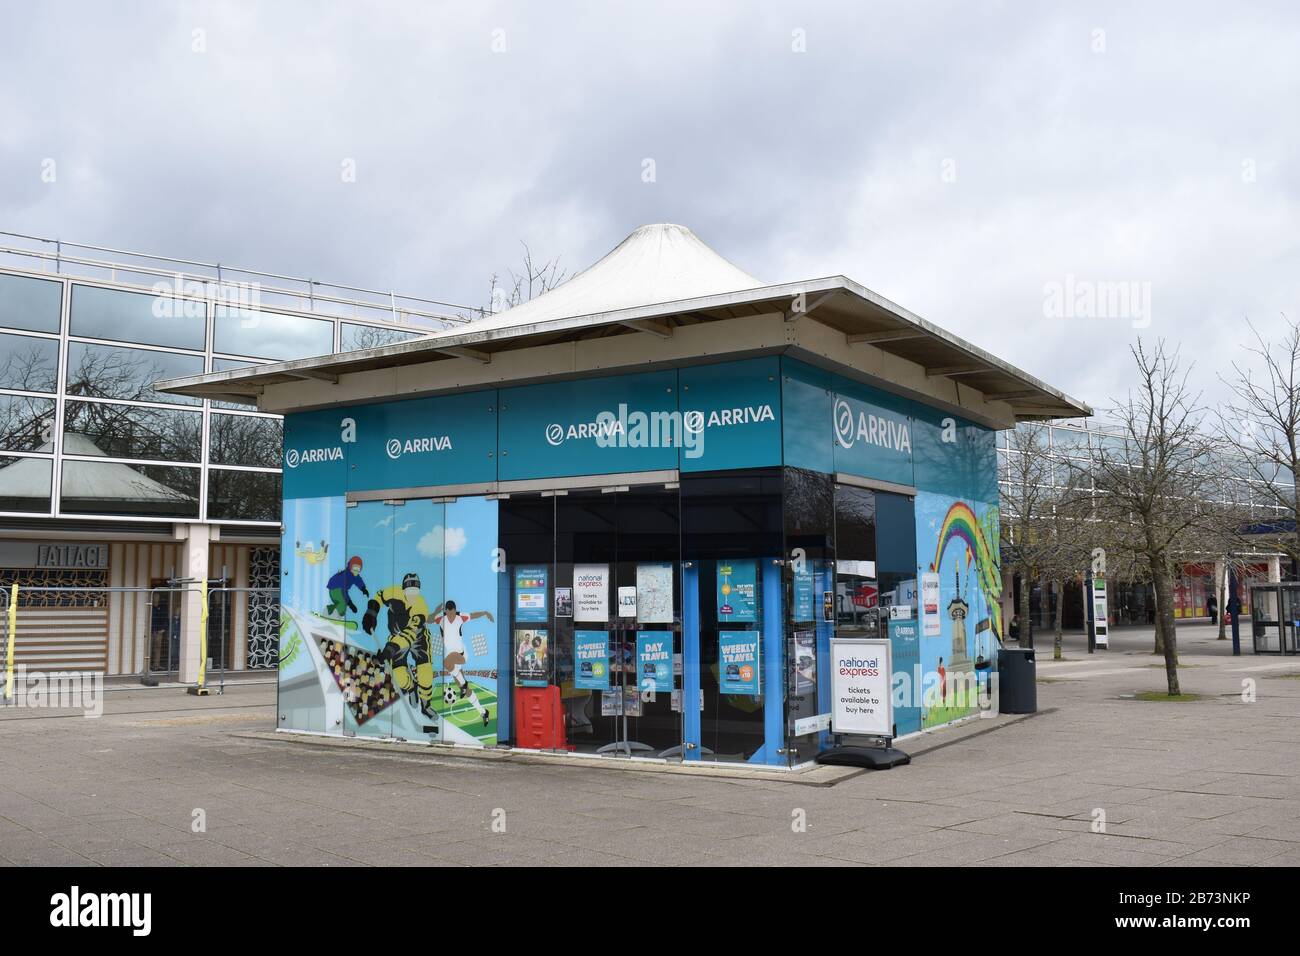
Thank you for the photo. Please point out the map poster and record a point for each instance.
(591, 593)
(654, 593)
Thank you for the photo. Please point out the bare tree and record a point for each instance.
(1161, 490)
(533, 278)
(1027, 513)
(1266, 417)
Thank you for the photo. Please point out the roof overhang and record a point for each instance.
(833, 322)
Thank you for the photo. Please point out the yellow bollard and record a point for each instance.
(9, 653)
(200, 689)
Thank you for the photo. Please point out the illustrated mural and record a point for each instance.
(961, 616)
(386, 627)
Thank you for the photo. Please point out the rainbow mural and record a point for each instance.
(960, 522)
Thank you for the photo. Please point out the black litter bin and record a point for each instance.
(1017, 681)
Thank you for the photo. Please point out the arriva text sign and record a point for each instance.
(860, 672)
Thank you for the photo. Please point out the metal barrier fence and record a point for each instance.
(161, 642)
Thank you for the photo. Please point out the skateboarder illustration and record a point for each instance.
(449, 618)
(342, 583)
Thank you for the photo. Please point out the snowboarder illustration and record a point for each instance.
(342, 583)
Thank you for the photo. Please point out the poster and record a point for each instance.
(591, 593)
(738, 591)
(630, 700)
(591, 654)
(654, 593)
(654, 660)
(803, 593)
(530, 593)
(933, 624)
(627, 602)
(738, 656)
(531, 658)
(564, 602)
(860, 691)
(805, 662)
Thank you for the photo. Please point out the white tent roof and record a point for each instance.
(103, 480)
(658, 263)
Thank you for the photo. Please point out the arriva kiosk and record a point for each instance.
(629, 517)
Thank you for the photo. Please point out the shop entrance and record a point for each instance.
(597, 647)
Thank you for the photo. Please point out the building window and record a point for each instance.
(134, 431)
(25, 484)
(26, 423)
(243, 495)
(138, 317)
(29, 363)
(272, 335)
(245, 440)
(31, 304)
(108, 371)
(353, 337)
(114, 488)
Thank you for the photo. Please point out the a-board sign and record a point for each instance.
(860, 677)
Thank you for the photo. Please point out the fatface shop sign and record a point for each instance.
(58, 555)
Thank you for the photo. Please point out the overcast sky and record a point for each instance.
(958, 158)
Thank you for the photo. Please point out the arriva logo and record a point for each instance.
(875, 429)
(312, 456)
(557, 434)
(396, 448)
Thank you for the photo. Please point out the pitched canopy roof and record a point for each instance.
(664, 282)
(662, 262)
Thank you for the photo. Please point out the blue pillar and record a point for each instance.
(825, 581)
(691, 661)
(773, 661)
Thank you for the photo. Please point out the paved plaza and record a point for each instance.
(1215, 781)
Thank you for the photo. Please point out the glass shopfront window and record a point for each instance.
(271, 335)
(119, 316)
(109, 371)
(31, 304)
(29, 363)
(731, 545)
(809, 509)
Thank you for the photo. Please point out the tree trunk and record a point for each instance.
(1221, 593)
(1026, 632)
(1059, 587)
(1165, 618)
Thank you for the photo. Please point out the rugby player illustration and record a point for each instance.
(341, 584)
(449, 618)
(408, 639)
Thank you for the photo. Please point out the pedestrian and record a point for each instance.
(1212, 605)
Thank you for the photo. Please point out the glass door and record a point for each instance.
(617, 621)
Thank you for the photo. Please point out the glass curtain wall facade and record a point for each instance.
(84, 435)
